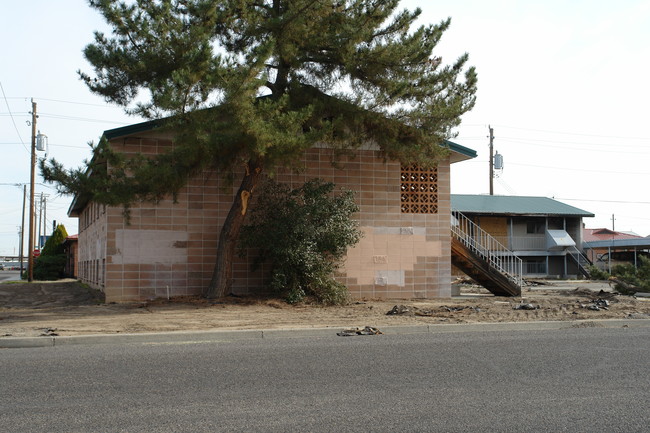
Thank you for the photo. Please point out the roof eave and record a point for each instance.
(459, 153)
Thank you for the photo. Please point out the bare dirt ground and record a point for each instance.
(70, 308)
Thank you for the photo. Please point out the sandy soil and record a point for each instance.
(72, 309)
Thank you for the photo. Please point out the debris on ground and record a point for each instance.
(415, 311)
(69, 310)
(586, 293)
(535, 283)
(49, 332)
(399, 310)
(366, 330)
(523, 306)
(456, 309)
(598, 305)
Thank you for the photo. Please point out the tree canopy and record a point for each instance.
(256, 82)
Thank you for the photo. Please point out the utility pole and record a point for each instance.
(491, 160)
(44, 221)
(39, 240)
(22, 231)
(613, 219)
(30, 252)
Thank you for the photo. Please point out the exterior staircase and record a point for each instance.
(484, 259)
(581, 260)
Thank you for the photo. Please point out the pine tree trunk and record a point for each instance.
(221, 282)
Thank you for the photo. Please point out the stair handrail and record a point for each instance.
(486, 246)
(580, 259)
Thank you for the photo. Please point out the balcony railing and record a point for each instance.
(524, 243)
(534, 268)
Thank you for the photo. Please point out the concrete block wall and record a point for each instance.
(401, 255)
(169, 249)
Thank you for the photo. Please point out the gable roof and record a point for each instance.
(135, 128)
(513, 205)
(605, 234)
(459, 153)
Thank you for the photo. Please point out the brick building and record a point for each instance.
(169, 249)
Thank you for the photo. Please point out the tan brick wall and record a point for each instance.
(170, 248)
(400, 255)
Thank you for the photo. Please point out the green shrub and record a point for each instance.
(48, 268)
(50, 265)
(303, 234)
(595, 273)
(638, 278)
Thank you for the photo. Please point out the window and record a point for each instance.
(535, 227)
(419, 190)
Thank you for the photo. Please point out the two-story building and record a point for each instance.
(169, 248)
(545, 233)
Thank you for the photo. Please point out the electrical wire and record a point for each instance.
(51, 144)
(572, 133)
(586, 170)
(12, 118)
(517, 164)
(604, 201)
(81, 119)
(589, 146)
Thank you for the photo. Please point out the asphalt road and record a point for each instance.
(575, 380)
(9, 275)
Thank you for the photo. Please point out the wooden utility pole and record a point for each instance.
(39, 238)
(30, 249)
(22, 232)
(491, 160)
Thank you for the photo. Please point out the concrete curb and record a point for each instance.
(195, 337)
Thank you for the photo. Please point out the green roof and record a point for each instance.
(513, 205)
(465, 152)
(132, 129)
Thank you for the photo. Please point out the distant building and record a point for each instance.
(546, 234)
(607, 248)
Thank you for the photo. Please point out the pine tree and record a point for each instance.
(258, 82)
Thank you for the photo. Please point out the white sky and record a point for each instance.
(563, 84)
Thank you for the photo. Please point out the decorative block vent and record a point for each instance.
(419, 190)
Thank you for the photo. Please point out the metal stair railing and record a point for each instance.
(582, 260)
(484, 245)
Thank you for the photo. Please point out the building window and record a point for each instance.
(534, 227)
(419, 190)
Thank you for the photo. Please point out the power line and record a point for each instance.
(529, 140)
(12, 118)
(550, 167)
(51, 144)
(604, 201)
(82, 119)
(63, 101)
(573, 133)
(579, 169)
